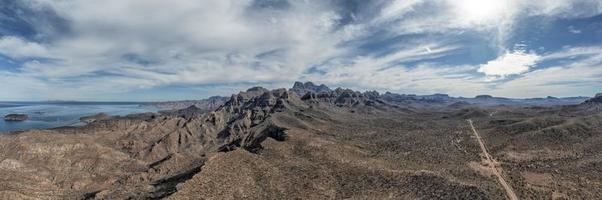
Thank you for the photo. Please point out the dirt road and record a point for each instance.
(493, 165)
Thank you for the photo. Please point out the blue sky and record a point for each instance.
(142, 50)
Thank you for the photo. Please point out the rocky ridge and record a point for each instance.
(158, 151)
(143, 156)
(160, 155)
(302, 88)
(207, 105)
(595, 99)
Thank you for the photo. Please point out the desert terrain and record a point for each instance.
(313, 142)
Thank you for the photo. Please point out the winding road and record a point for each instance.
(492, 164)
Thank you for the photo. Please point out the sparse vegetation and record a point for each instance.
(339, 144)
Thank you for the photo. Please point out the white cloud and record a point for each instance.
(573, 30)
(573, 52)
(579, 77)
(493, 17)
(20, 87)
(18, 48)
(387, 73)
(397, 9)
(510, 63)
(120, 46)
(191, 42)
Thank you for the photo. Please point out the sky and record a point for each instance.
(153, 50)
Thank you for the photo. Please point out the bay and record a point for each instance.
(43, 115)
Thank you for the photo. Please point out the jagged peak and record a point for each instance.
(250, 93)
(302, 88)
(371, 94)
(260, 98)
(257, 88)
(191, 107)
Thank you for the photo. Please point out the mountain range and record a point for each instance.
(313, 142)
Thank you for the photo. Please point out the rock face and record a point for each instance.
(249, 117)
(16, 117)
(302, 88)
(340, 97)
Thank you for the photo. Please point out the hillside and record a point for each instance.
(313, 143)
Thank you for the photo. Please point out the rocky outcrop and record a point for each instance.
(249, 118)
(588, 107)
(596, 99)
(302, 88)
(16, 117)
(343, 97)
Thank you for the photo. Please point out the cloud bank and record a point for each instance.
(143, 49)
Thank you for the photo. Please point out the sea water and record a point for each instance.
(43, 115)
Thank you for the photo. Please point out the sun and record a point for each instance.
(480, 11)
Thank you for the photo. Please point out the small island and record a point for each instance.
(93, 118)
(16, 117)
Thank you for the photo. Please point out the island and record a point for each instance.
(93, 118)
(15, 117)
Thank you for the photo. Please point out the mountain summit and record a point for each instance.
(302, 88)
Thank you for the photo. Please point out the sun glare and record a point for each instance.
(478, 11)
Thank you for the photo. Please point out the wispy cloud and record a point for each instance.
(18, 48)
(77, 49)
(574, 30)
(581, 76)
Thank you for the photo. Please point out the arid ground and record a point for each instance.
(312, 143)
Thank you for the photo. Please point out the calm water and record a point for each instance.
(54, 114)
